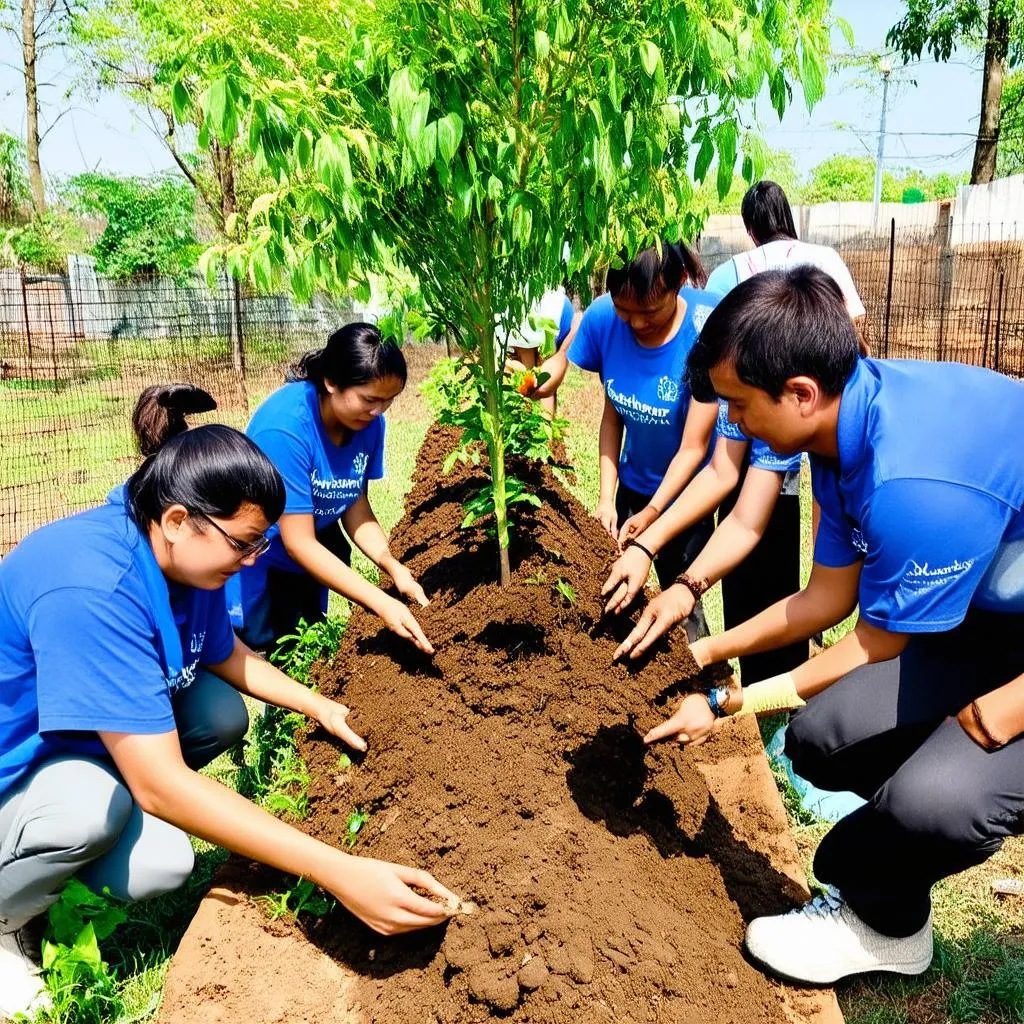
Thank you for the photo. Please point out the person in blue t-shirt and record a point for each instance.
(527, 343)
(750, 530)
(920, 708)
(652, 437)
(324, 431)
(120, 676)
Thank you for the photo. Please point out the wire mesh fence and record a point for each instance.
(76, 350)
(926, 298)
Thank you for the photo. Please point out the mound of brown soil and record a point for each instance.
(612, 881)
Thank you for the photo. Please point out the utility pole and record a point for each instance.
(886, 68)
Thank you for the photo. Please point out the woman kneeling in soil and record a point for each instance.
(653, 437)
(324, 431)
(121, 677)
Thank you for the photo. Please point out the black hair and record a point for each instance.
(767, 214)
(777, 325)
(356, 354)
(655, 271)
(160, 413)
(212, 470)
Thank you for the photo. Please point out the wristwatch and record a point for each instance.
(697, 587)
(717, 696)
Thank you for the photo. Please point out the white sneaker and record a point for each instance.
(21, 988)
(825, 940)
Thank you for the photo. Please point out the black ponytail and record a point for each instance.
(655, 271)
(356, 354)
(161, 410)
(211, 470)
(767, 214)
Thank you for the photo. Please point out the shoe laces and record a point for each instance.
(828, 904)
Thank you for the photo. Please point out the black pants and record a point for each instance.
(290, 596)
(768, 574)
(676, 556)
(937, 802)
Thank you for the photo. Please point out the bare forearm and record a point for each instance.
(368, 536)
(257, 678)
(727, 547)
(609, 446)
(212, 812)
(788, 621)
(704, 494)
(1003, 710)
(332, 572)
(864, 645)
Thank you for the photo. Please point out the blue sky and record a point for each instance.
(931, 124)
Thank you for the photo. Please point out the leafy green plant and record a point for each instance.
(296, 653)
(565, 591)
(150, 223)
(80, 985)
(470, 147)
(43, 244)
(354, 825)
(456, 391)
(271, 772)
(304, 897)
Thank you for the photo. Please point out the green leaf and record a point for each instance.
(220, 110)
(778, 90)
(180, 101)
(704, 157)
(494, 187)
(449, 135)
(812, 70)
(303, 149)
(725, 137)
(541, 44)
(650, 57)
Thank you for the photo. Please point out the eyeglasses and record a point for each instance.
(245, 549)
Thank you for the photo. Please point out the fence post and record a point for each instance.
(888, 287)
(238, 342)
(945, 289)
(28, 324)
(999, 315)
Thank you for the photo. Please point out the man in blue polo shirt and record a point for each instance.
(919, 709)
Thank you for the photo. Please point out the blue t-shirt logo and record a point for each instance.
(668, 389)
(858, 541)
(630, 408)
(359, 464)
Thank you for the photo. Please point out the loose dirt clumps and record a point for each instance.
(611, 881)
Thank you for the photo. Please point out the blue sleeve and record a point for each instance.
(722, 279)
(220, 637)
(375, 467)
(97, 666)
(565, 321)
(924, 562)
(727, 429)
(586, 350)
(291, 455)
(763, 457)
(834, 546)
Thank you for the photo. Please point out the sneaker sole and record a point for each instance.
(911, 968)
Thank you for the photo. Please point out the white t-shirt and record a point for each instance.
(780, 255)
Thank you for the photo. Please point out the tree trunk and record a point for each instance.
(29, 56)
(996, 45)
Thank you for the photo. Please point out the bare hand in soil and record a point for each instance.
(400, 620)
(606, 515)
(668, 609)
(407, 586)
(626, 580)
(334, 718)
(692, 723)
(635, 525)
(381, 895)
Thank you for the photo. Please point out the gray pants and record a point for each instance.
(937, 802)
(74, 816)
